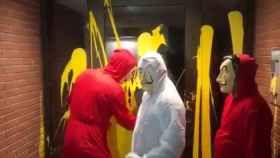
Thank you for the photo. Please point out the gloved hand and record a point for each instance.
(132, 155)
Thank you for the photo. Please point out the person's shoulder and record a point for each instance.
(112, 87)
(107, 83)
(171, 101)
(105, 78)
(254, 104)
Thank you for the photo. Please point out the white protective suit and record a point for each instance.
(160, 126)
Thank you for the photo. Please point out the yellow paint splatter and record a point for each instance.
(76, 65)
(203, 95)
(120, 138)
(96, 41)
(42, 136)
(144, 43)
(150, 42)
(237, 31)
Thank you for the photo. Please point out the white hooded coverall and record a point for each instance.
(160, 126)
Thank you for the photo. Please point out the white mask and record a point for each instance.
(151, 69)
(146, 77)
(226, 77)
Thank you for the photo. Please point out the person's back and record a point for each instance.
(90, 115)
(95, 98)
(89, 101)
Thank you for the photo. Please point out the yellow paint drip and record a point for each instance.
(157, 38)
(150, 42)
(203, 95)
(42, 137)
(120, 138)
(273, 85)
(108, 5)
(97, 41)
(237, 31)
(77, 64)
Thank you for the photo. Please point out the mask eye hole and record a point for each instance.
(225, 69)
(147, 78)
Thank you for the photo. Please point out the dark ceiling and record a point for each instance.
(211, 5)
(138, 12)
(149, 15)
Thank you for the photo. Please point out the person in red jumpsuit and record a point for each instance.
(246, 122)
(97, 96)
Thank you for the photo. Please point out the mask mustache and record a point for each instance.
(147, 82)
(223, 83)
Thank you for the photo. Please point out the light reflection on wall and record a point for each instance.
(127, 42)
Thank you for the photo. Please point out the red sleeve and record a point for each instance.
(121, 113)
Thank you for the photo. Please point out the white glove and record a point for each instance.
(132, 155)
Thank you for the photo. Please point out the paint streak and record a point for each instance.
(151, 42)
(76, 65)
(237, 31)
(119, 139)
(204, 98)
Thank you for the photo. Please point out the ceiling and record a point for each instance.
(149, 15)
(134, 11)
(78, 6)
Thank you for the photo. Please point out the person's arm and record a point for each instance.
(120, 111)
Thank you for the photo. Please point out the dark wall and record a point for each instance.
(65, 33)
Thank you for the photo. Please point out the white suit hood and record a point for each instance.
(160, 125)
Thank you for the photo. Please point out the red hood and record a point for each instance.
(245, 76)
(121, 62)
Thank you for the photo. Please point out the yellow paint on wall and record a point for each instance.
(42, 136)
(144, 43)
(202, 129)
(158, 38)
(237, 31)
(150, 42)
(77, 64)
(120, 138)
(96, 41)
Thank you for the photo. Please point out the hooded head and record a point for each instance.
(240, 77)
(227, 75)
(121, 64)
(152, 70)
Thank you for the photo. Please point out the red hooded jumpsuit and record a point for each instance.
(246, 120)
(95, 98)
